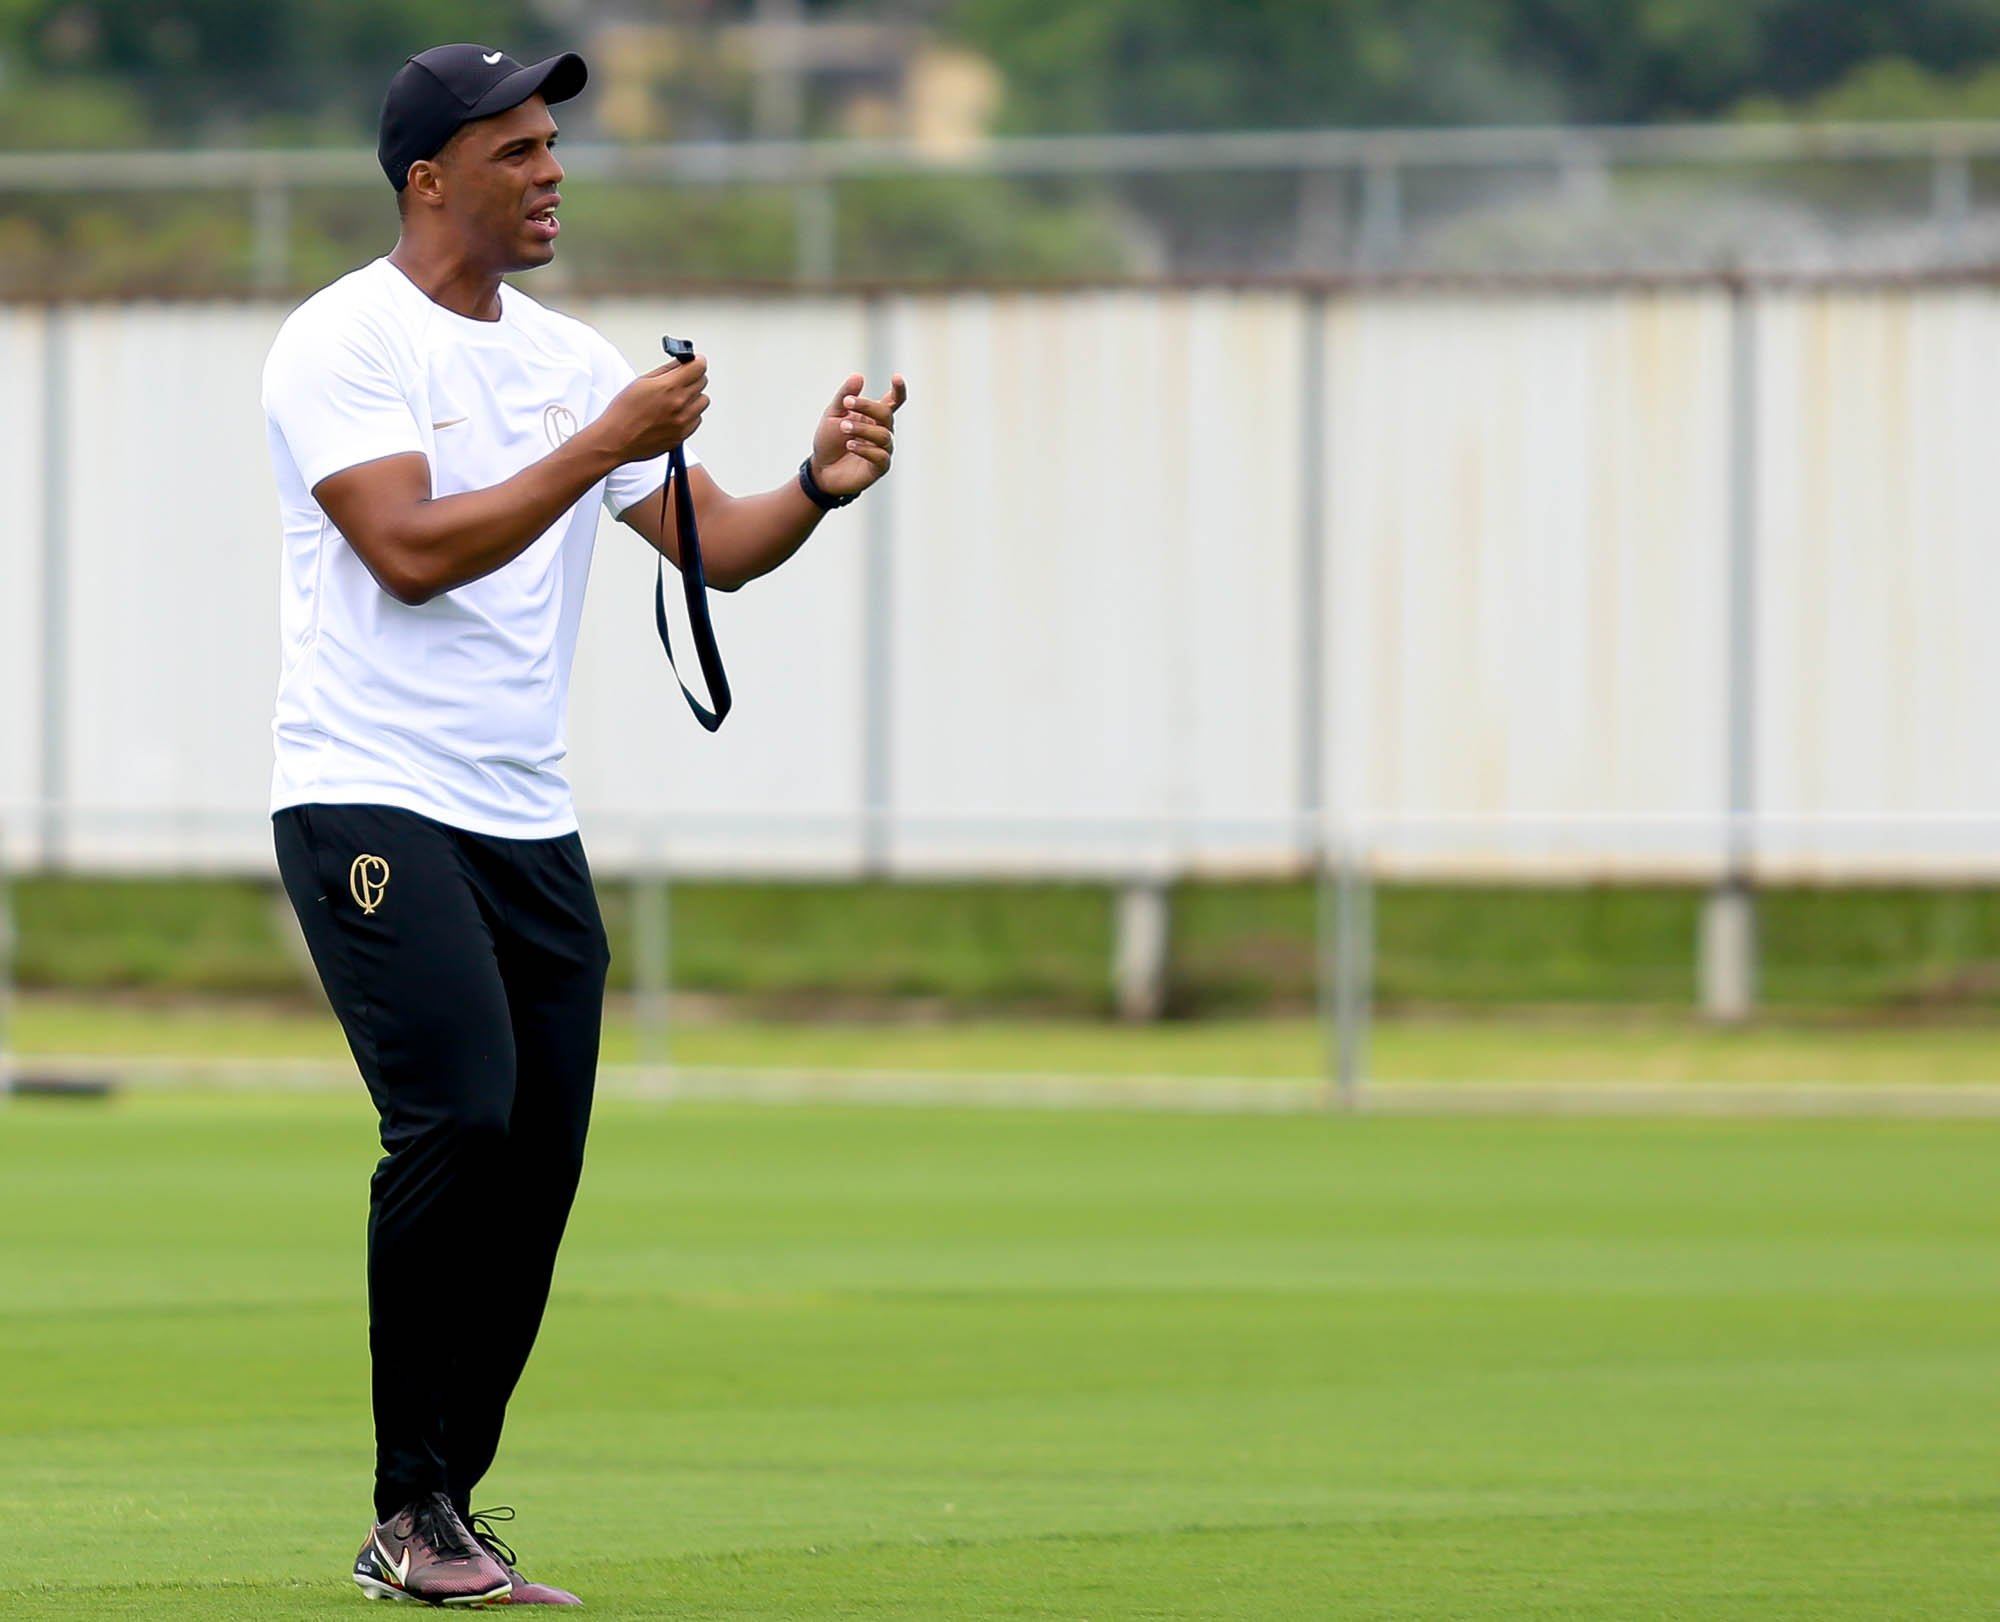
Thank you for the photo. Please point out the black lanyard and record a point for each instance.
(694, 585)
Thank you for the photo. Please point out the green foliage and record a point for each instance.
(71, 115)
(208, 65)
(1141, 65)
(102, 245)
(619, 236)
(1238, 948)
(1193, 65)
(220, 66)
(1889, 88)
(93, 73)
(637, 236)
(162, 934)
(972, 229)
(970, 946)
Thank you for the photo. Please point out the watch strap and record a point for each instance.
(821, 499)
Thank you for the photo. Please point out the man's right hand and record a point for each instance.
(654, 413)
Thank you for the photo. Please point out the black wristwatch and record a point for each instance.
(818, 497)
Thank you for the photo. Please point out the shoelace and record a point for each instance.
(437, 1523)
(481, 1521)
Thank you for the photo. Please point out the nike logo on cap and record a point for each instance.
(490, 60)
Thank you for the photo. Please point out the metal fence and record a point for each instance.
(1702, 198)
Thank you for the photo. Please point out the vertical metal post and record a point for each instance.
(1326, 978)
(815, 233)
(1381, 210)
(1347, 971)
(54, 741)
(270, 232)
(1729, 952)
(7, 939)
(1322, 222)
(1142, 948)
(1342, 931)
(1357, 976)
(1742, 573)
(1951, 197)
(1312, 571)
(877, 624)
(777, 93)
(1583, 176)
(1728, 937)
(652, 974)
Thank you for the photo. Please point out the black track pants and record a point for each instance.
(468, 973)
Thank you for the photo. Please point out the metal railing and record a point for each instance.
(1354, 182)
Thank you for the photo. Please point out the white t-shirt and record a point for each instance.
(454, 709)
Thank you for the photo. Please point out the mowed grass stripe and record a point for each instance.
(825, 1363)
(1609, 1566)
(1546, 1048)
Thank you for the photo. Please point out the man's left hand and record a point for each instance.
(856, 437)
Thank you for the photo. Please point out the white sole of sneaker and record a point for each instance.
(375, 1589)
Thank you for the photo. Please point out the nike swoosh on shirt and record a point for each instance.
(449, 422)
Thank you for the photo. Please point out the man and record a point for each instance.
(441, 443)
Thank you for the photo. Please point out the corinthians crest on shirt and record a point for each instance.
(558, 422)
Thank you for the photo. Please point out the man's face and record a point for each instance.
(499, 187)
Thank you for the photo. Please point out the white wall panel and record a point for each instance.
(1095, 577)
(1880, 532)
(1234, 696)
(1527, 505)
(1095, 566)
(173, 570)
(21, 467)
(789, 755)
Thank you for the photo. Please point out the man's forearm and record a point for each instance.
(431, 547)
(743, 537)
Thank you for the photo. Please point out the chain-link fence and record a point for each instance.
(1772, 199)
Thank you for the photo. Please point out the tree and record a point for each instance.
(1666, 59)
(202, 66)
(1890, 88)
(1144, 65)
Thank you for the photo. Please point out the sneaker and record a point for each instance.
(525, 1593)
(424, 1553)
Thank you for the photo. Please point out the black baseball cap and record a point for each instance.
(436, 91)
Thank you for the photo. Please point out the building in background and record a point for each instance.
(778, 72)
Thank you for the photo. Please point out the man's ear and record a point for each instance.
(425, 187)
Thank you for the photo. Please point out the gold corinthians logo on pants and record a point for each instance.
(367, 879)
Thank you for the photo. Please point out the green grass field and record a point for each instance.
(941, 1365)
